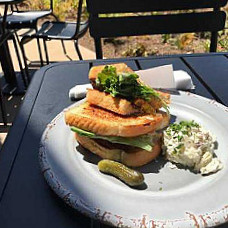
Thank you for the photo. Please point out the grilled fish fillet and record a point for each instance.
(114, 104)
(102, 122)
(122, 106)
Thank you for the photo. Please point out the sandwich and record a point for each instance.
(120, 122)
(118, 89)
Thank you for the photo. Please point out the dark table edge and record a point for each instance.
(25, 111)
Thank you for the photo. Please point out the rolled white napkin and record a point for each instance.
(157, 77)
(79, 91)
(183, 80)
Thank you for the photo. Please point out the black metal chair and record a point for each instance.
(28, 20)
(59, 31)
(4, 35)
(9, 34)
(172, 22)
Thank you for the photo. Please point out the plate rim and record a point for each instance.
(216, 217)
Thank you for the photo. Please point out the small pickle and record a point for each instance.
(129, 176)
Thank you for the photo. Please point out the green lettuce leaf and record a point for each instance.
(145, 141)
(125, 85)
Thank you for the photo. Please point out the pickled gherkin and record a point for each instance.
(127, 175)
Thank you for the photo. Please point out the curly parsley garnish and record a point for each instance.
(183, 127)
(125, 85)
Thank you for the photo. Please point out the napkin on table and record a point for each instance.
(158, 77)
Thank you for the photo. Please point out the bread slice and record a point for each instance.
(136, 158)
(120, 68)
(114, 104)
(102, 122)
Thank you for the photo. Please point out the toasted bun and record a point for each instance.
(135, 159)
(102, 122)
(114, 104)
(120, 68)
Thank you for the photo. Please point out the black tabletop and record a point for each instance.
(26, 200)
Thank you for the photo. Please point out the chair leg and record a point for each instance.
(39, 49)
(40, 52)
(18, 41)
(3, 108)
(24, 58)
(64, 48)
(214, 40)
(64, 51)
(78, 50)
(17, 37)
(24, 78)
(46, 51)
(99, 54)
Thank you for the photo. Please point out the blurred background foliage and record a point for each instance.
(66, 10)
(63, 9)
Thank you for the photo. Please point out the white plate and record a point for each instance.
(170, 198)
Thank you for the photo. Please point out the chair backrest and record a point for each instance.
(211, 20)
(78, 19)
(80, 25)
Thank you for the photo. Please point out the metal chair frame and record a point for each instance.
(3, 38)
(8, 34)
(43, 34)
(30, 24)
(103, 27)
